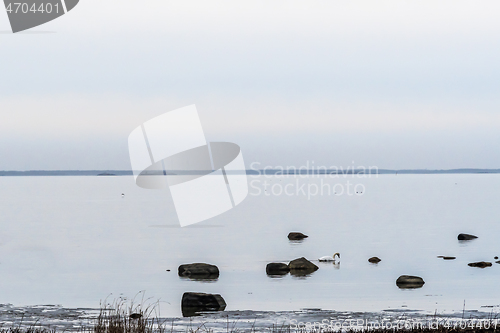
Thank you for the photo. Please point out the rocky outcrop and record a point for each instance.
(374, 260)
(480, 264)
(409, 282)
(466, 237)
(296, 236)
(193, 303)
(199, 271)
(277, 268)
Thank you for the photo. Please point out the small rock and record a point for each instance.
(135, 316)
(447, 258)
(498, 262)
(466, 237)
(193, 303)
(409, 282)
(277, 268)
(199, 271)
(374, 260)
(302, 267)
(480, 264)
(495, 258)
(296, 236)
(302, 264)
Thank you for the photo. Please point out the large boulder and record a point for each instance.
(466, 237)
(296, 236)
(302, 267)
(374, 260)
(199, 271)
(194, 303)
(480, 264)
(277, 268)
(409, 282)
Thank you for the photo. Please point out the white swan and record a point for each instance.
(328, 258)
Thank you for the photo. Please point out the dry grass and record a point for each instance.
(125, 316)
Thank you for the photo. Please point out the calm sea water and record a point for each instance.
(75, 241)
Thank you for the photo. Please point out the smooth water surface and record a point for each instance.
(75, 241)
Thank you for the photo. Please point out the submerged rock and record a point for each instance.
(277, 268)
(466, 237)
(296, 236)
(193, 303)
(199, 271)
(480, 264)
(374, 260)
(409, 282)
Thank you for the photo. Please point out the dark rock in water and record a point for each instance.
(495, 258)
(199, 271)
(302, 267)
(194, 303)
(135, 316)
(301, 273)
(277, 268)
(409, 282)
(296, 236)
(302, 263)
(466, 237)
(374, 260)
(447, 258)
(480, 264)
(498, 262)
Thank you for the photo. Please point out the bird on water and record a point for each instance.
(328, 258)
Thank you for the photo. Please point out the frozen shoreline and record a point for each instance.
(76, 319)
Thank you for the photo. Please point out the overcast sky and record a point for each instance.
(394, 84)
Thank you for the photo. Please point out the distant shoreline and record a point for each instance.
(248, 172)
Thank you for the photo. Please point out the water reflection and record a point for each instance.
(464, 243)
(302, 273)
(277, 276)
(335, 265)
(296, 242)
(200, 279)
